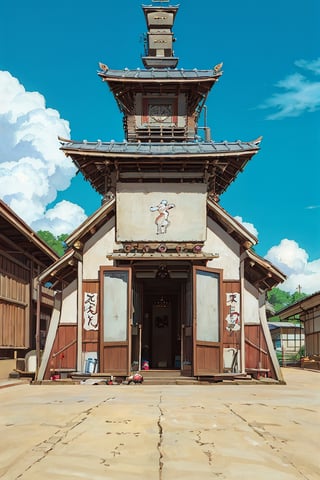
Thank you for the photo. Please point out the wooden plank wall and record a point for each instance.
(312, 331)
(66, 339)
(14, 304)
(64, 350)
(208, 359)
(256, 350)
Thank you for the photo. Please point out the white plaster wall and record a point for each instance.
(219, 241)
(137, 212)
(251, 304)
(96, 250)
(69, 304)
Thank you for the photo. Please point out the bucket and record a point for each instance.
(90, 365)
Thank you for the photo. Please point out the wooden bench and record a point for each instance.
(258, 372)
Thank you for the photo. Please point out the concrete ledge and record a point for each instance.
(6, 366)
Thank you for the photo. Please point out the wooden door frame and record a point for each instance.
(127, 342)
(177, 297)
(219, 344)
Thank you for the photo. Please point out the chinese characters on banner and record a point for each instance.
(90, 311)
(233, 317)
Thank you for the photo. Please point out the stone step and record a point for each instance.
(166, 377)
(160, 373)
(174, 377)
(170, 381)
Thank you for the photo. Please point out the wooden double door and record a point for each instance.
(170, 323)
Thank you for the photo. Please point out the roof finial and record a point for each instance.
(159, 39)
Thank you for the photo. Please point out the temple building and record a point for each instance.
(161, 276)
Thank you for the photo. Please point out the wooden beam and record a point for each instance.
(257, 347)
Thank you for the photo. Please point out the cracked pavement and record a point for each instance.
(162, 432)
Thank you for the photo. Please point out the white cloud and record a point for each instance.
(32, 168)
(293, 261)
(313, 207)
(313, 65)
(62, 218)
(249, 226)
(299, 93)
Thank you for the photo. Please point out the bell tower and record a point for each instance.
(159, 39)
(161, 105)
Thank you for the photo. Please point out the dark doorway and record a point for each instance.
(161, 324)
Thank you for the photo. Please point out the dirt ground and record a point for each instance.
(162, 432)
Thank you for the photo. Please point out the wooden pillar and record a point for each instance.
(79, 316)
(242, 310)
(39, 293)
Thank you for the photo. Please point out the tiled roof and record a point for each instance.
(173, 149)
(163, 73)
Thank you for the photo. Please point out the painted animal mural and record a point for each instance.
(162, 220)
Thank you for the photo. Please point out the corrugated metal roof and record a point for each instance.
(176, 148)
(273, 325)
(299, 307)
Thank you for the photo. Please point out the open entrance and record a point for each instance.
(161, 317)
(160, 311)
(161, 325)
(156, 334)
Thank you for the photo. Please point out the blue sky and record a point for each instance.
(49, 54)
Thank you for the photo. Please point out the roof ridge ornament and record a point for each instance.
(103, 67)
(217, 67)
(257, 141)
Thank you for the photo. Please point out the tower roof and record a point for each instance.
(125, 84)
(216, 164)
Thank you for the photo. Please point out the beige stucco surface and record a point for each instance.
(228, 250)
(250, 303)
(6, 366)
(162, 432)
(69, 303)
(96, 250)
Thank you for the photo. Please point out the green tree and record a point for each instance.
(279, 298)
(56, 243)
(297, 296)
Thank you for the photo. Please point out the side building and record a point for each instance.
(307, 311)
(161, 275)
(23, 256)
